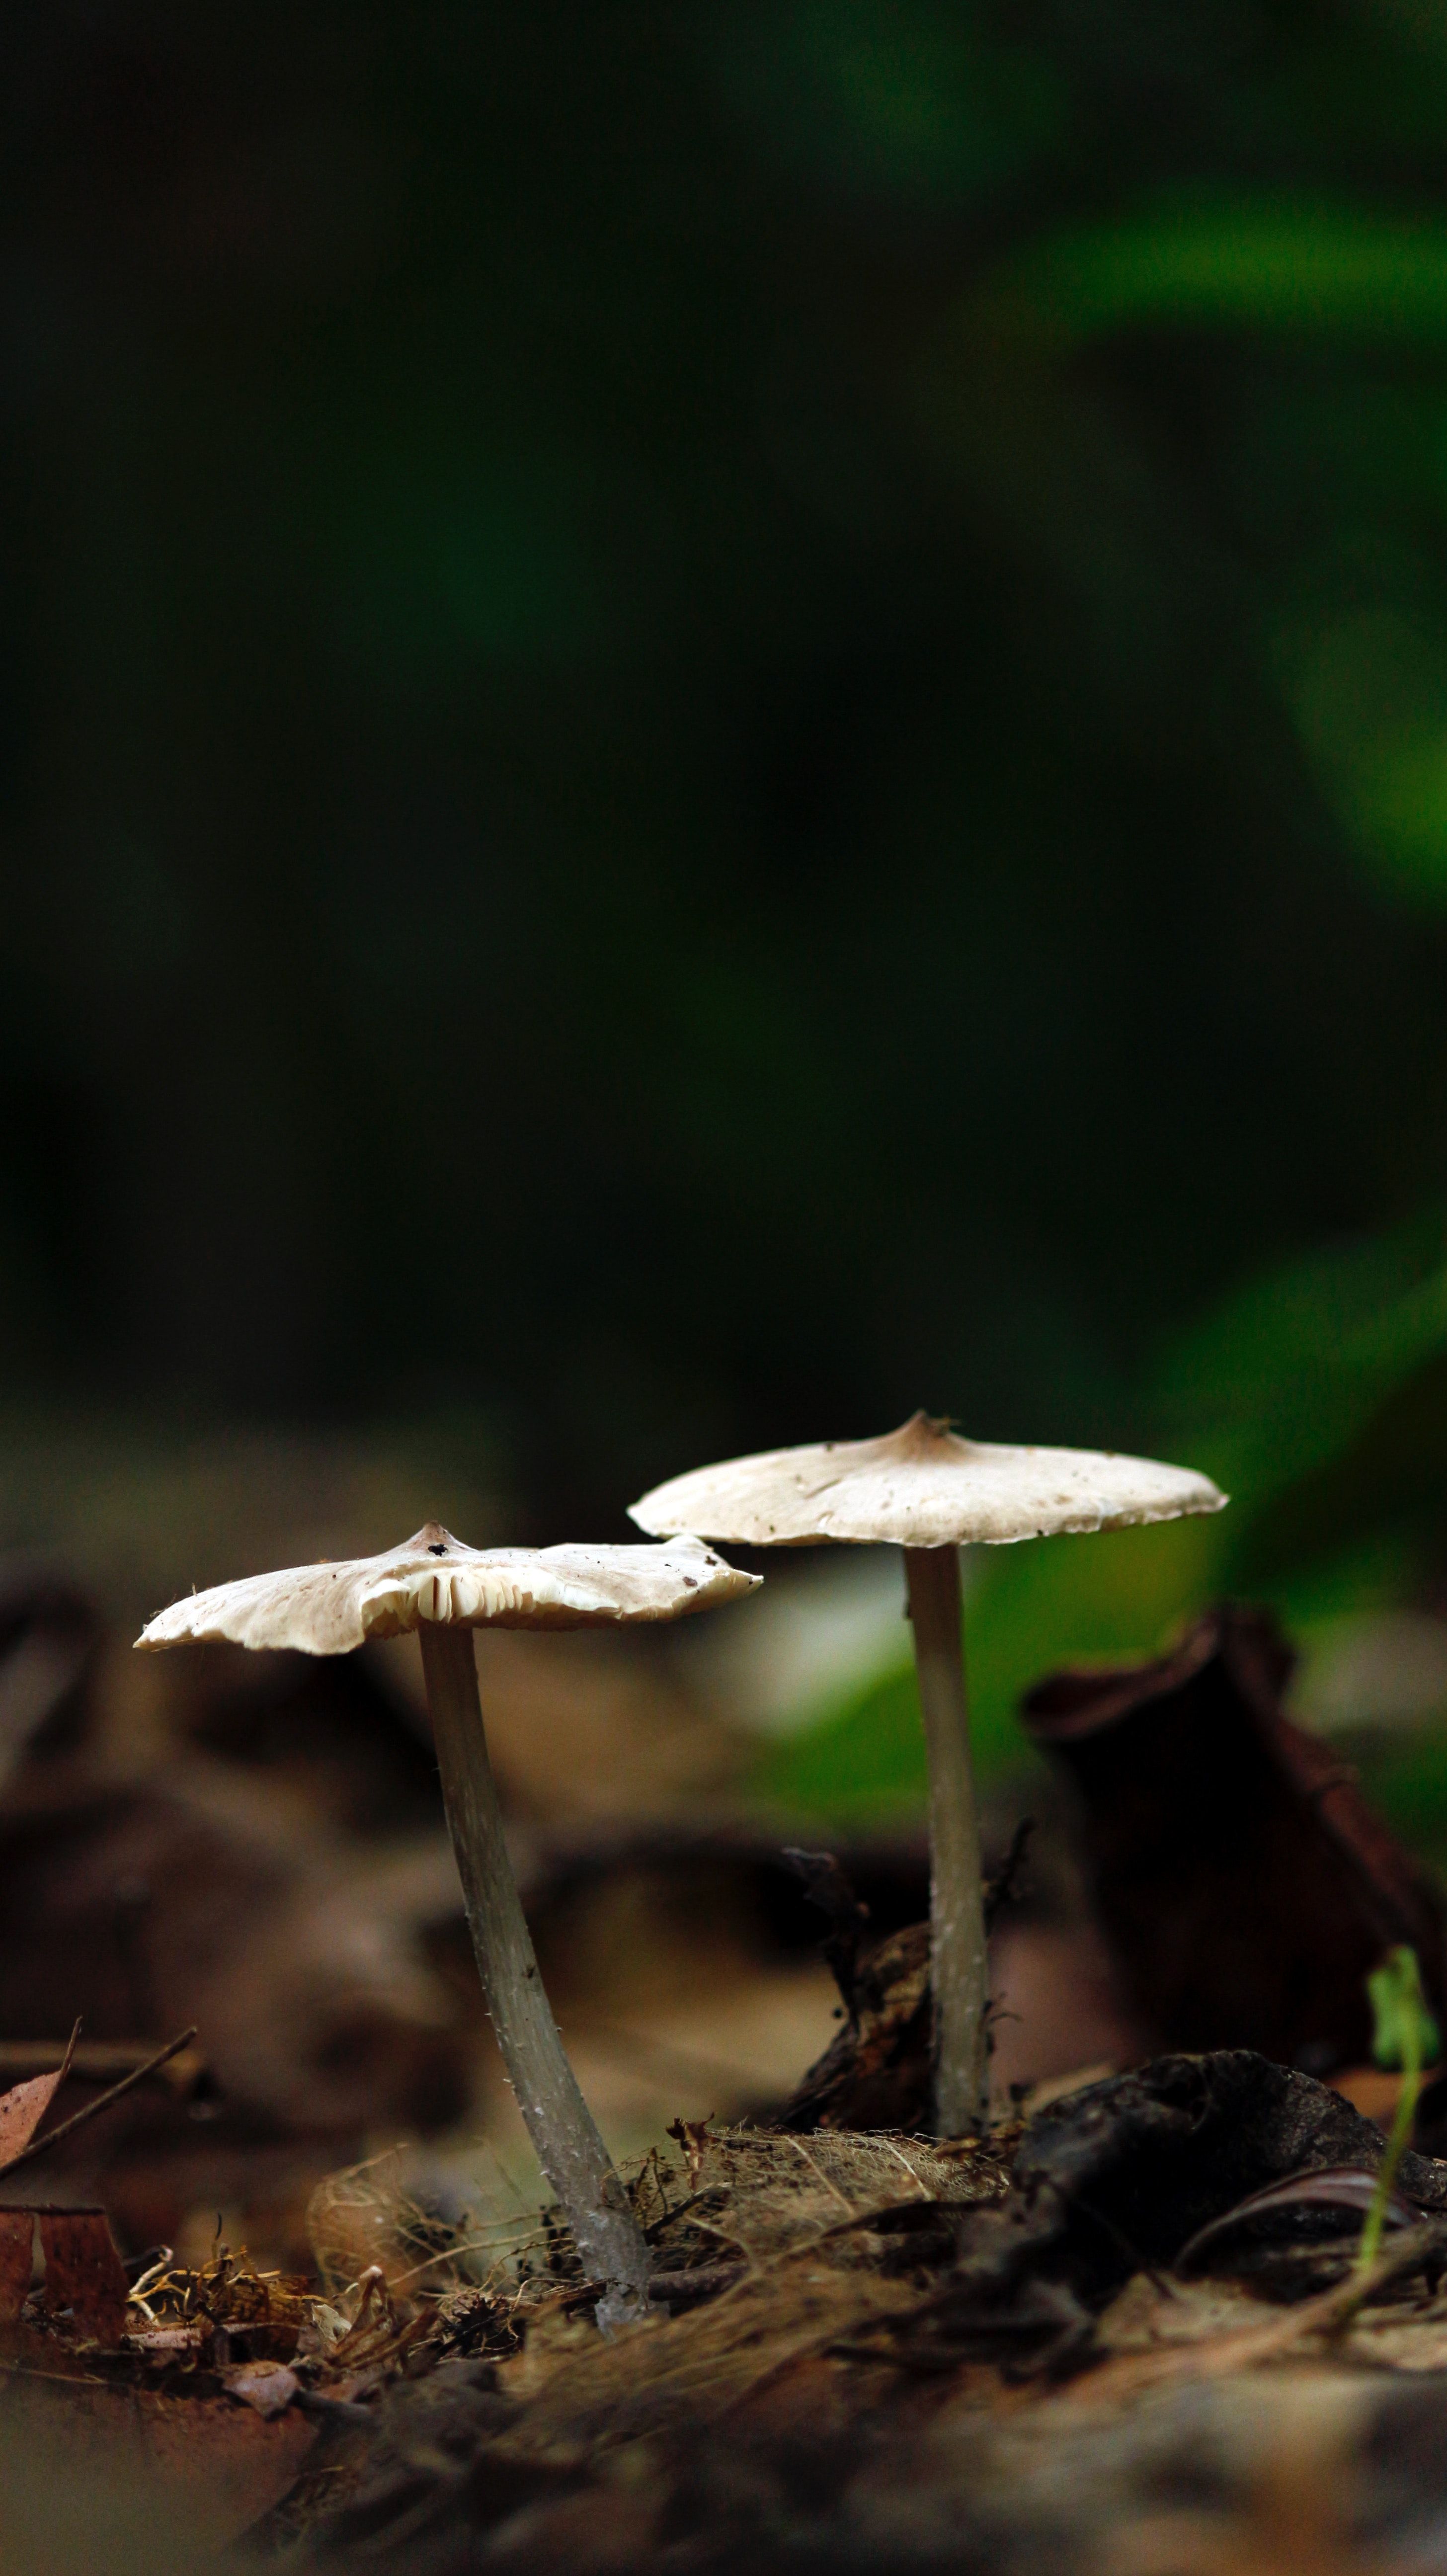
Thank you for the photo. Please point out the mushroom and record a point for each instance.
(928, 1491)
(444, 1589)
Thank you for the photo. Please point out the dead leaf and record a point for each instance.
(17, 2238)
(1330, 2315)
(83, 2271)
(692, 2136)
(1350, 2187)
(268, 2386)
(24, 2107)
(1243, 1884)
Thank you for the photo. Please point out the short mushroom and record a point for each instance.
(443, 1589)
(930, 1492)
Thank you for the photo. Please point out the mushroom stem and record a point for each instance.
(958, 1968)
(573, 2157)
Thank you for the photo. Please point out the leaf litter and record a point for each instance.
(883, 2321)
(856, 2335)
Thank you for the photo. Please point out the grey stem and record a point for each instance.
(573, 2157)
(958, 1965)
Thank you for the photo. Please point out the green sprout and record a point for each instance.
(1405, 2035)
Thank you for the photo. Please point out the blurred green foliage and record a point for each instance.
(1280, 267)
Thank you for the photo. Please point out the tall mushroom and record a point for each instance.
(443, 1589)
(929, 1492)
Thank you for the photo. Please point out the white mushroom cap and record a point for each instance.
(920, 1486)
(329, 1609)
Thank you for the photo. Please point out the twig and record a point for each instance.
(449, 2254)
(93, 2061)
(102, 2102)
(61, 2378)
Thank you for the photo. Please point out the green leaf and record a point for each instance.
(1405, 2033)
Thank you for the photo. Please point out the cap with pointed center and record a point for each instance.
(435, 1580)
(442, 1589)
(920, 1486)
(925, 1489)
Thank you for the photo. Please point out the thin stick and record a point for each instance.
(449, 2254)
(102, 2102)
(958, 1960)
(91, 2061)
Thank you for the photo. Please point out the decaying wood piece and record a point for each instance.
(878, 2072)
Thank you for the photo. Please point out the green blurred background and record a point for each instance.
(717, 719)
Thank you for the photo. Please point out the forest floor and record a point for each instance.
(869, 2351)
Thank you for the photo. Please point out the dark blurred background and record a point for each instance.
(715, 719)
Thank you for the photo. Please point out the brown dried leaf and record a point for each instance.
(267, 2386)
(24, 2107)
(1243, 1884)
(1348, 2187)
(17, 2237)
(693, 2137)
(83, 2271)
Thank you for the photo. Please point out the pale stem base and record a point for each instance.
(573, 2157)
(958, 1963)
